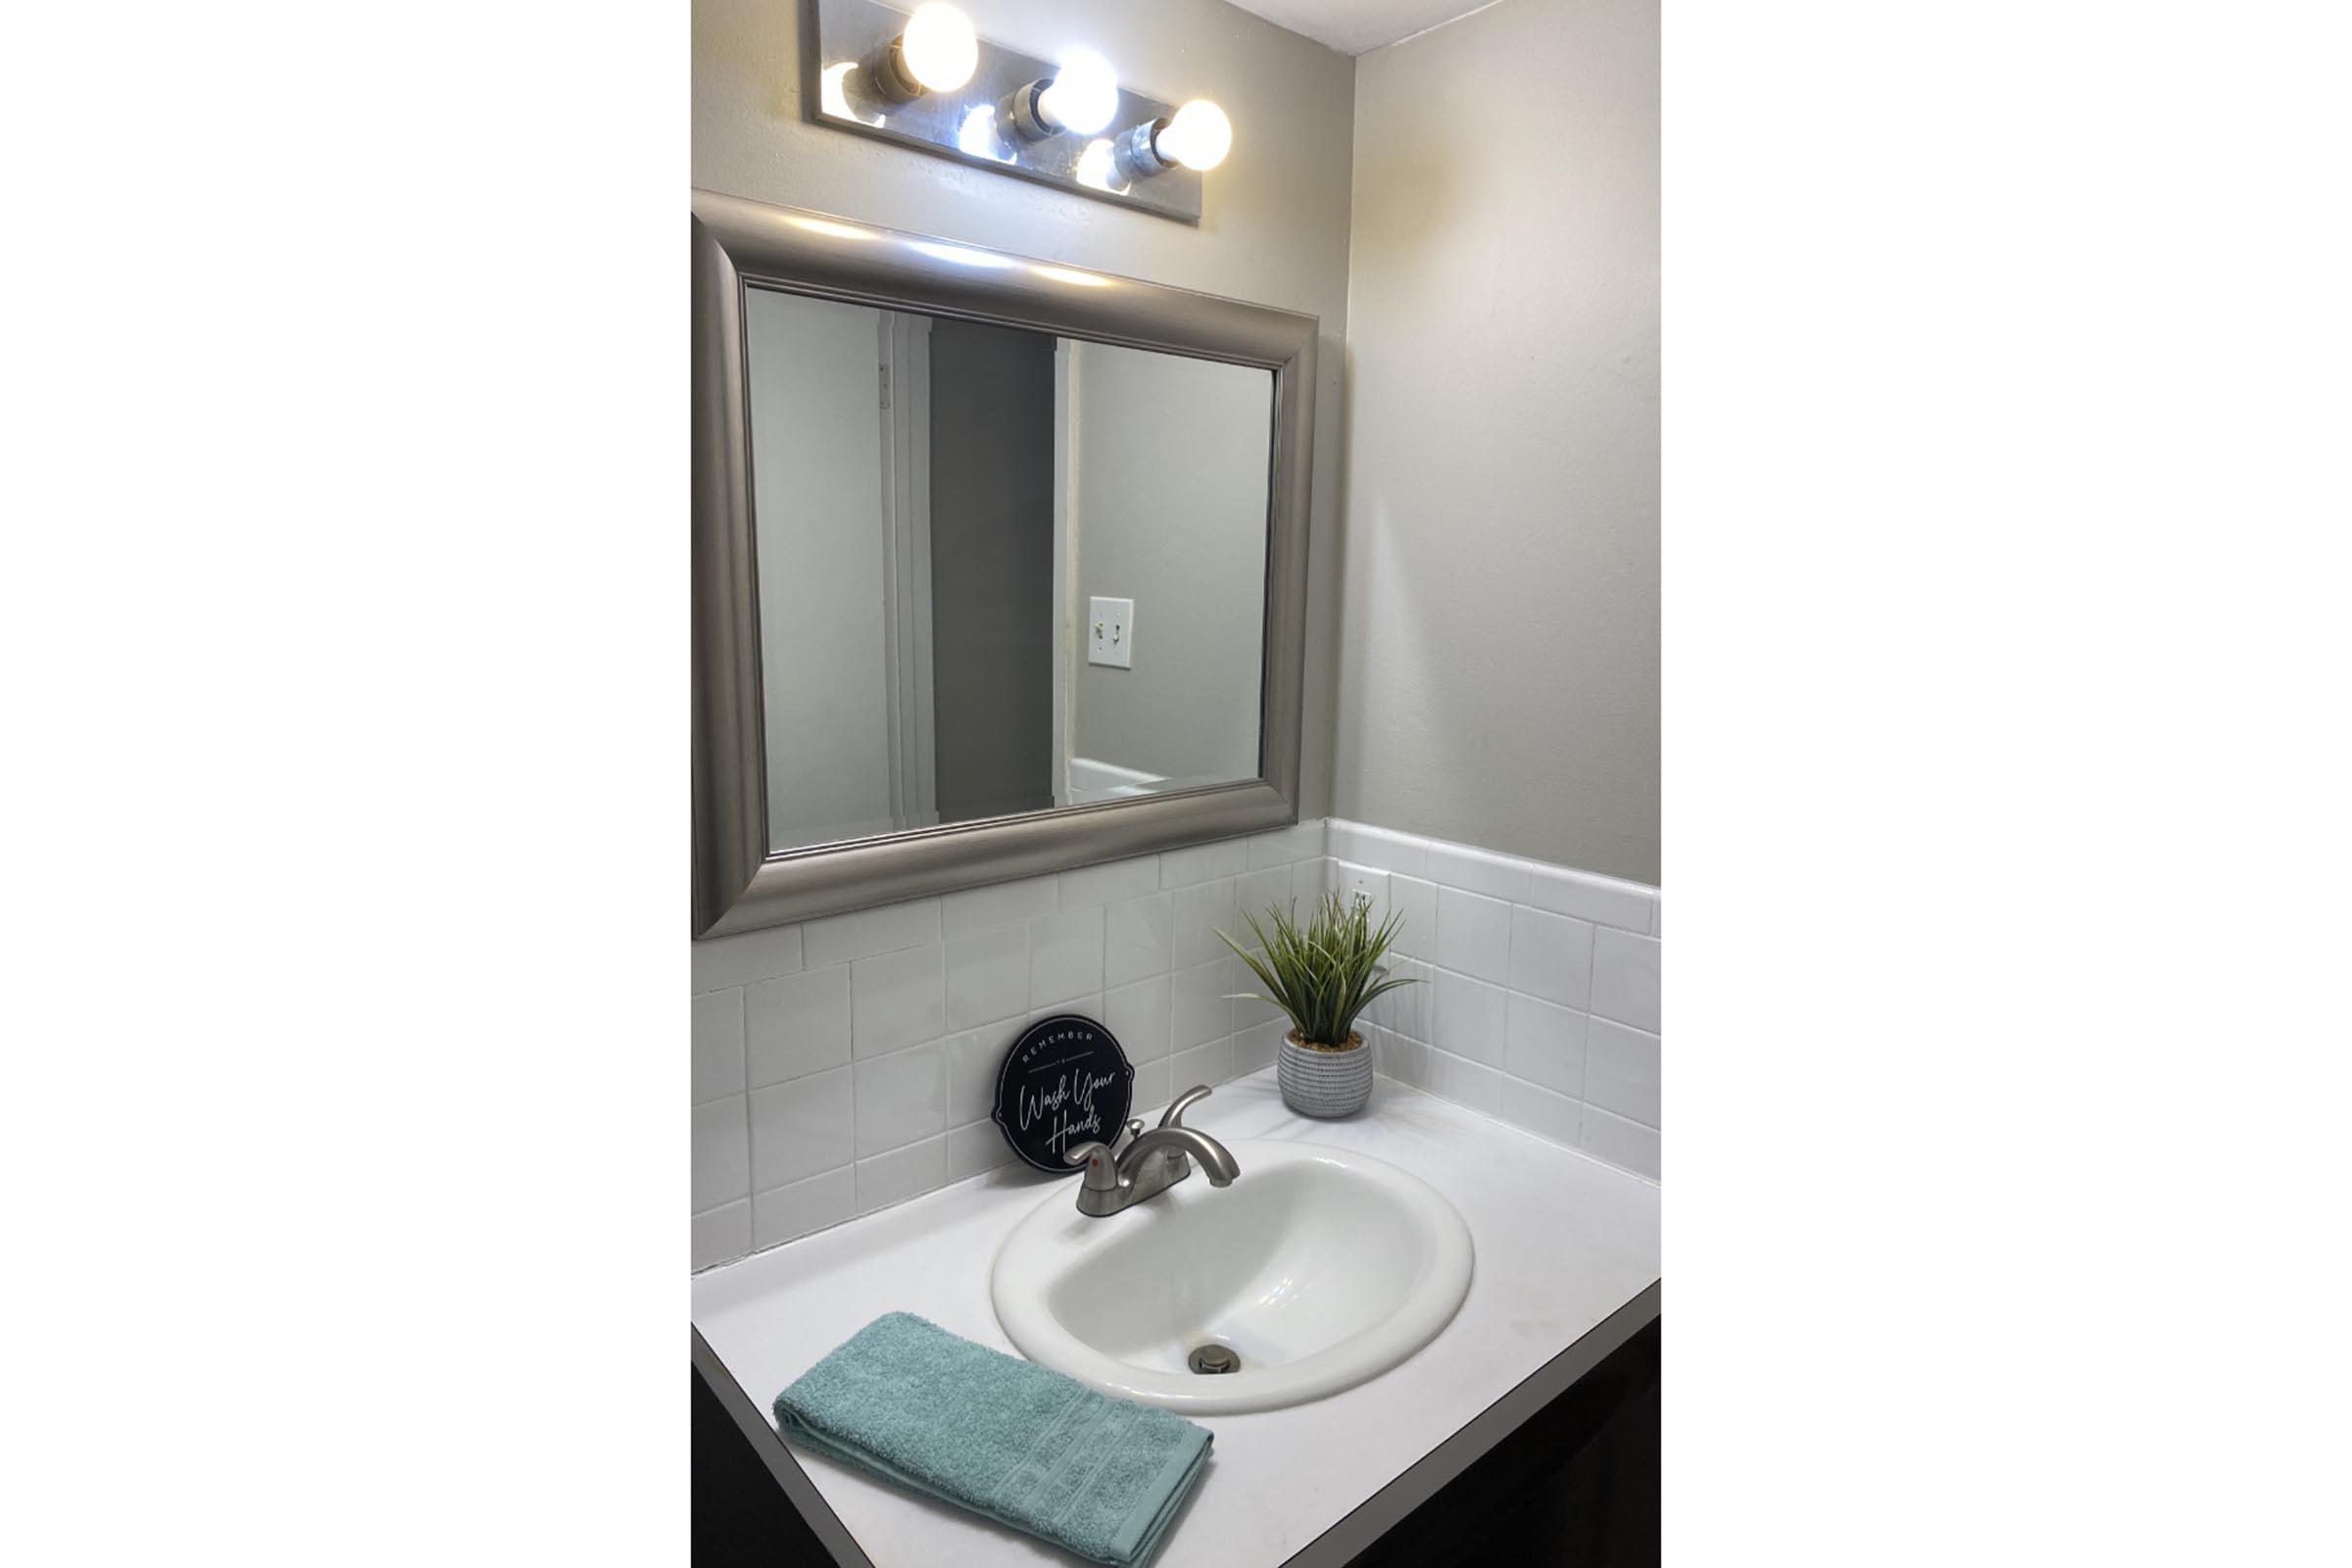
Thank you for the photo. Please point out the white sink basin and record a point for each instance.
(1318, 1267)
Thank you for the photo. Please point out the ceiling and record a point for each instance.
(1353, 26)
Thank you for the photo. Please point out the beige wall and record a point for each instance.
(1498, 680)
(825, 687)
(1169, 459)
(1274, 229)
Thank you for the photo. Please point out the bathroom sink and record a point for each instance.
(1316, 1269)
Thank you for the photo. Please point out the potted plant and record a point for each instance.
(1323, 974)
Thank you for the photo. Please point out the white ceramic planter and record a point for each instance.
(1324, 1083)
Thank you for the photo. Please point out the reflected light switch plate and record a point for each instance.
(1110, 633)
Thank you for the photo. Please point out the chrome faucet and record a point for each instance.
(1140, 1164)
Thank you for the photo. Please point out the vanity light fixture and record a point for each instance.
(1197, 136)
(1082, 97)
(936, 52)
(920, 76)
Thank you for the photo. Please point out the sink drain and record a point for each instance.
(1212, 1360)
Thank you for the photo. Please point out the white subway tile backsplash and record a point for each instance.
(1065, 954)
(1199, 1008)
(1466, 1083)
(1625, 978)
(840, 938)
(899, 1098)
(1092, 885)
(1302, 841)
(972, 1059)
(1204, 863)
(1248, 1010)
(1212, 1064)
(988, 976)
(1348, 840)
(717, 1034)
(1470, 1017)
(725, 961)
(1138, 1016)
(1545, 1044)
(1308, 879)
(1089, 1005)
(1622, 1071)
(901, 1174)
(896, 999)
(1151, 1091)
(798, 1024)
(1497, 876)
(721, 1170)
(870, 1043)
(1601, 899)
(1200, 1002)
(1138, 938)
(1202, 909)
(1474, 935)
(1378, 848)
(1551, 956)
(1620, 1142)
(1407, 1009)
(974, 1147)
(1414, 903)
(1254, 1047)
(1406, 1060)
(1004, 903)
(800, 1128)
(782, 1213)
(1541, 1112)
(723, 1233)
(1257, 893)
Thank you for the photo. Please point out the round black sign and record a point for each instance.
(1065, 1082)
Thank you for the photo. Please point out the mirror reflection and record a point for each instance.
(998, 572)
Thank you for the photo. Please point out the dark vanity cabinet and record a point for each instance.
(1576, 1481)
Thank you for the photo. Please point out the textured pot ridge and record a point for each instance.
(1319, 1081)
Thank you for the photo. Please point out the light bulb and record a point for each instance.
(833, 95)
(1085, 93)
(978, 134)
(939, 47)
(1099, 167)
(1198, 137)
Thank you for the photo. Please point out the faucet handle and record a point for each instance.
(1173, 1116)
(1102, 1166)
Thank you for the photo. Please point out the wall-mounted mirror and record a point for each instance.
(999, 564)
(963, 499)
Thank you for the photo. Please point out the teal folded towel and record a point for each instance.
(907, 1400)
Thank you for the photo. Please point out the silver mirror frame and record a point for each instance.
(738, 885)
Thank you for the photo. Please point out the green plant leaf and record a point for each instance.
(1325, 973)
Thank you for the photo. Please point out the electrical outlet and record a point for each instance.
(1351, 881)
(1111, 636)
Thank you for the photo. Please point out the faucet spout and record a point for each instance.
(1166, 1142)
(1150, 1162)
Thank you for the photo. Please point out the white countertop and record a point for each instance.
(1562, 1241)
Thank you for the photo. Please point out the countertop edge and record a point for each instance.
(1386, 1508)
(769, 1446)
(1341, 1544)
